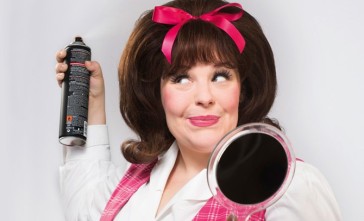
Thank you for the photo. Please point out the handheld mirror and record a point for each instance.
(250, 168)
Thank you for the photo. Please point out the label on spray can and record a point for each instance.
(75, 92)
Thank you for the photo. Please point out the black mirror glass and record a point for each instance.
(251, 168)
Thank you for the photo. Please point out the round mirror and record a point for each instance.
(251, 168)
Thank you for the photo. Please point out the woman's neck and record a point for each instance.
(191, 162)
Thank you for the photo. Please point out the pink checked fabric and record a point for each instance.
(139, 174)
(212, 210)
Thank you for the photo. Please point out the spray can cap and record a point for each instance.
(78, 38)
(78, 41)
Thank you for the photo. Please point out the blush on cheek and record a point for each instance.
(232, 102)
(171, 101)
(166, 97)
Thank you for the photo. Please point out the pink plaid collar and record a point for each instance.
(139, 174)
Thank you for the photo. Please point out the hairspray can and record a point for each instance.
(75, 92)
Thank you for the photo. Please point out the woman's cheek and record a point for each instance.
(172, 101)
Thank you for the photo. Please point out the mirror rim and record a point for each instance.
(224, 143)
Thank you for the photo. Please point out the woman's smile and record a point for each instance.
(204, 121)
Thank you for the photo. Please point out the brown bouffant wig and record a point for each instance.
(143, 65)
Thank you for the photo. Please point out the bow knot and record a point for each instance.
(178, 17)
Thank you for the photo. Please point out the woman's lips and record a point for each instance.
(204, 121)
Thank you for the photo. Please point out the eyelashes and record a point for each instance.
(177, 78)
(219, 76)
(222, 75)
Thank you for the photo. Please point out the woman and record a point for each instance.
(191, 71)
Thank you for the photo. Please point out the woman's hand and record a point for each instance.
(96, 106)
(232, 217)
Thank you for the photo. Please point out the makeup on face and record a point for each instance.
(201, 104)
(204, 121)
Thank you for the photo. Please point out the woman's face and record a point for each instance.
(201, 105)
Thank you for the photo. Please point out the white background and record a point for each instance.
(319, 53)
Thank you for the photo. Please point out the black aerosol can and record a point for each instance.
(75, 92)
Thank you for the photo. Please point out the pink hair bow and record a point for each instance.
(178, 17)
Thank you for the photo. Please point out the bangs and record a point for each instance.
(202, 42)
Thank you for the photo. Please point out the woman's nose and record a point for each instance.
(204, 95)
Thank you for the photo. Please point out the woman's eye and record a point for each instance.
(221, 76)
(180, 79)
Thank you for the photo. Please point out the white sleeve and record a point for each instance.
(88, 177)
(309, 197)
